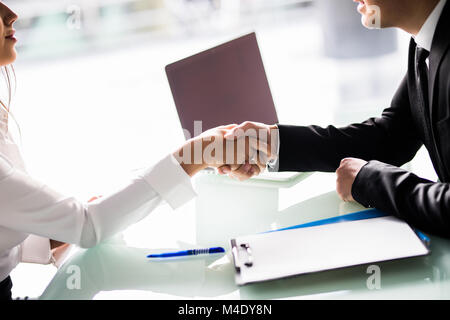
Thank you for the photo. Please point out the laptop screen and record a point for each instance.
(223, 85)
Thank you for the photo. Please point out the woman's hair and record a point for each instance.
(9, 76)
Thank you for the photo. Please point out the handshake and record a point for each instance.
(241, 151)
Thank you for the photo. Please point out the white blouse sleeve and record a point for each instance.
(29, 206)
(35, 249)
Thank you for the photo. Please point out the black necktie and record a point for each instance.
(422, 75)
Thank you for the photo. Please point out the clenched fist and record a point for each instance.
(346, 174)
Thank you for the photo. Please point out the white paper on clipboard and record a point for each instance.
(292, 252)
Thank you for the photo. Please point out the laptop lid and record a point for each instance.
(223, 85)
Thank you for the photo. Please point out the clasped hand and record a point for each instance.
(241, 151)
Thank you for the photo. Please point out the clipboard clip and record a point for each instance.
(235, 249)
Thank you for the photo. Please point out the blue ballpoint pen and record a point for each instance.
(425, 239)
(190, 252)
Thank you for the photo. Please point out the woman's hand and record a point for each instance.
(59, 250)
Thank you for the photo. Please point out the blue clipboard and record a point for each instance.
(355, 216)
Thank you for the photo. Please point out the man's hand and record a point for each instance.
(346, 174)
(263, 137)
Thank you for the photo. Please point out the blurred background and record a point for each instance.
(92, 98)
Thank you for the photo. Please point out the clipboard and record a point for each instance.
(359, 238)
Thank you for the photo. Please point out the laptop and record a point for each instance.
(222, 85)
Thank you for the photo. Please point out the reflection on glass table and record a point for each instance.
(118, 268)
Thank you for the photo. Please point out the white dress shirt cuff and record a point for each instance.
(273, 165)
(171, 182)
(35, 249)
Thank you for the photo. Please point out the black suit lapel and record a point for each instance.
(441, 42)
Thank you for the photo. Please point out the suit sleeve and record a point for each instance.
(391, 138)
(420, 202)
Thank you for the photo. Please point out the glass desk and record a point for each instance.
(118, 268)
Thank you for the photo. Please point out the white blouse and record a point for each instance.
(31, 212)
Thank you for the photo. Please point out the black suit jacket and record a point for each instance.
(388, 142)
